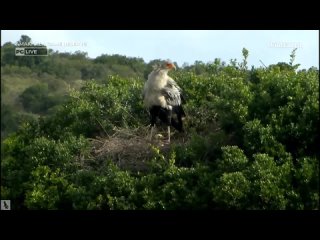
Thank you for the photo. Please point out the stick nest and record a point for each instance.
(130, 148)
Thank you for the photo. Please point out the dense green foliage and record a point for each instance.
(252, 138)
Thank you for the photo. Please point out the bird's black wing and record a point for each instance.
(173, 93)
(173, 83)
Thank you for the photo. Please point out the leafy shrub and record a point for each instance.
(232, 190)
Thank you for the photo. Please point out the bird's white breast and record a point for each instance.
(157, 80)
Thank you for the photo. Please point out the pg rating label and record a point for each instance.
(31, 51)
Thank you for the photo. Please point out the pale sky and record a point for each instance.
(182, 46)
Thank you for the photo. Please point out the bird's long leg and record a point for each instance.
(153, 118)
(169, 122)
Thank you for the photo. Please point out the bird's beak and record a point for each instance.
(171, 66)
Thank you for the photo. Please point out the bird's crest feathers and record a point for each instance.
(162, 63)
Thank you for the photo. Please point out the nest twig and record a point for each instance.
(129, 148)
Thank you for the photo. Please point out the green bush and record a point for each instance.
(270, 184)
(232, 191)
(233, 160)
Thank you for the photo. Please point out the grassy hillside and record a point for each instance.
(13, 87)
(35, 86)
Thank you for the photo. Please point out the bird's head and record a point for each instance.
(168, 65)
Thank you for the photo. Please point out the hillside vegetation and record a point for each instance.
(75, 131)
